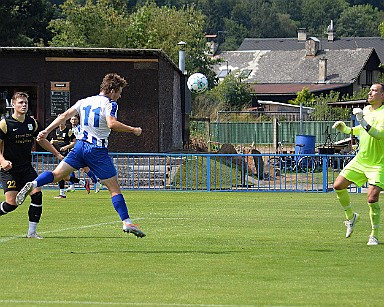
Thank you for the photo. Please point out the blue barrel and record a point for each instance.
(305, 144)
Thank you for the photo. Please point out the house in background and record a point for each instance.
(278, 75)
(278, 68)
(331, 42)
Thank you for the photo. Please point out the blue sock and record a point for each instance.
(92, 176)
(44, 178)
(120, 206)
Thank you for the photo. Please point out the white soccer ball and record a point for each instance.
(197, 83)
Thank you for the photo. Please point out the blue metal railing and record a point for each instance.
(219, 172)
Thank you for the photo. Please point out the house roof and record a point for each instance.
(294, 44)
(293, 68)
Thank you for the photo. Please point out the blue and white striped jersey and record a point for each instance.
(93, 123)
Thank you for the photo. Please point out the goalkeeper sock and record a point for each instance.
(374, 215)
(344, 200)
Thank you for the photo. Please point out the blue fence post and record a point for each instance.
(208, 172)
(325, 173)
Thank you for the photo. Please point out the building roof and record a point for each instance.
(294, 44)
(89, 52)
(293, 67)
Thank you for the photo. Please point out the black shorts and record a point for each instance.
(15, 180)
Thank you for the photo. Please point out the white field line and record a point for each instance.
(6, 239)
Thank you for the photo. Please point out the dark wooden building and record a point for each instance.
(55, 78)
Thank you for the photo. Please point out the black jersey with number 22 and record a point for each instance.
(18, 139)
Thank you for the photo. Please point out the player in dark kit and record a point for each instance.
(17, 136)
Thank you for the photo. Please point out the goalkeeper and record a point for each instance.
(368, 164)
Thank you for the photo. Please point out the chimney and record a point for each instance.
(182, 56)
(302, 34)
(312, 46)
(322, 70)
(331, 32)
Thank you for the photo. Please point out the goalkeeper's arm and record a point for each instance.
(376, 132)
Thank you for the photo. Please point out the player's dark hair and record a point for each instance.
(19, 94)
(112, 81)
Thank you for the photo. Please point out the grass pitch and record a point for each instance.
(201, 249)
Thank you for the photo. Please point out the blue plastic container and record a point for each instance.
(305, 144)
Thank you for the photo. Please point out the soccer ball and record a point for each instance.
(197, 83)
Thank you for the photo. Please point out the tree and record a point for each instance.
(323, 111)
(107, 23)
(304, 96)
(163, 27)
(258, 16)
(24, 22)
(292, 8)
(288, 26)
(381, 29)
(360, 20)
(318, 14)
(234, 35)
(234, 94)
(374, 3)
(90, 25)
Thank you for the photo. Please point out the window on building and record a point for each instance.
(245, 73)
(223, 73)
(369, 78)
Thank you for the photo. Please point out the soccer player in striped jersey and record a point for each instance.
(98, 116)
(368, 164)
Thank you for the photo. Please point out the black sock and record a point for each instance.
(62, 184)
(6, 208)
(74, 179)
(34, 213)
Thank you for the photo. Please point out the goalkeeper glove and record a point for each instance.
(342, 127)
(358, 113)
(359, 116)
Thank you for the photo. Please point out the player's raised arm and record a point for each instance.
(115, 125)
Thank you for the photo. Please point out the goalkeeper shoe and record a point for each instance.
(372, 241)
(132, 228)
(350, 224)
(87, 186)
(24, 192)
(34, 235)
